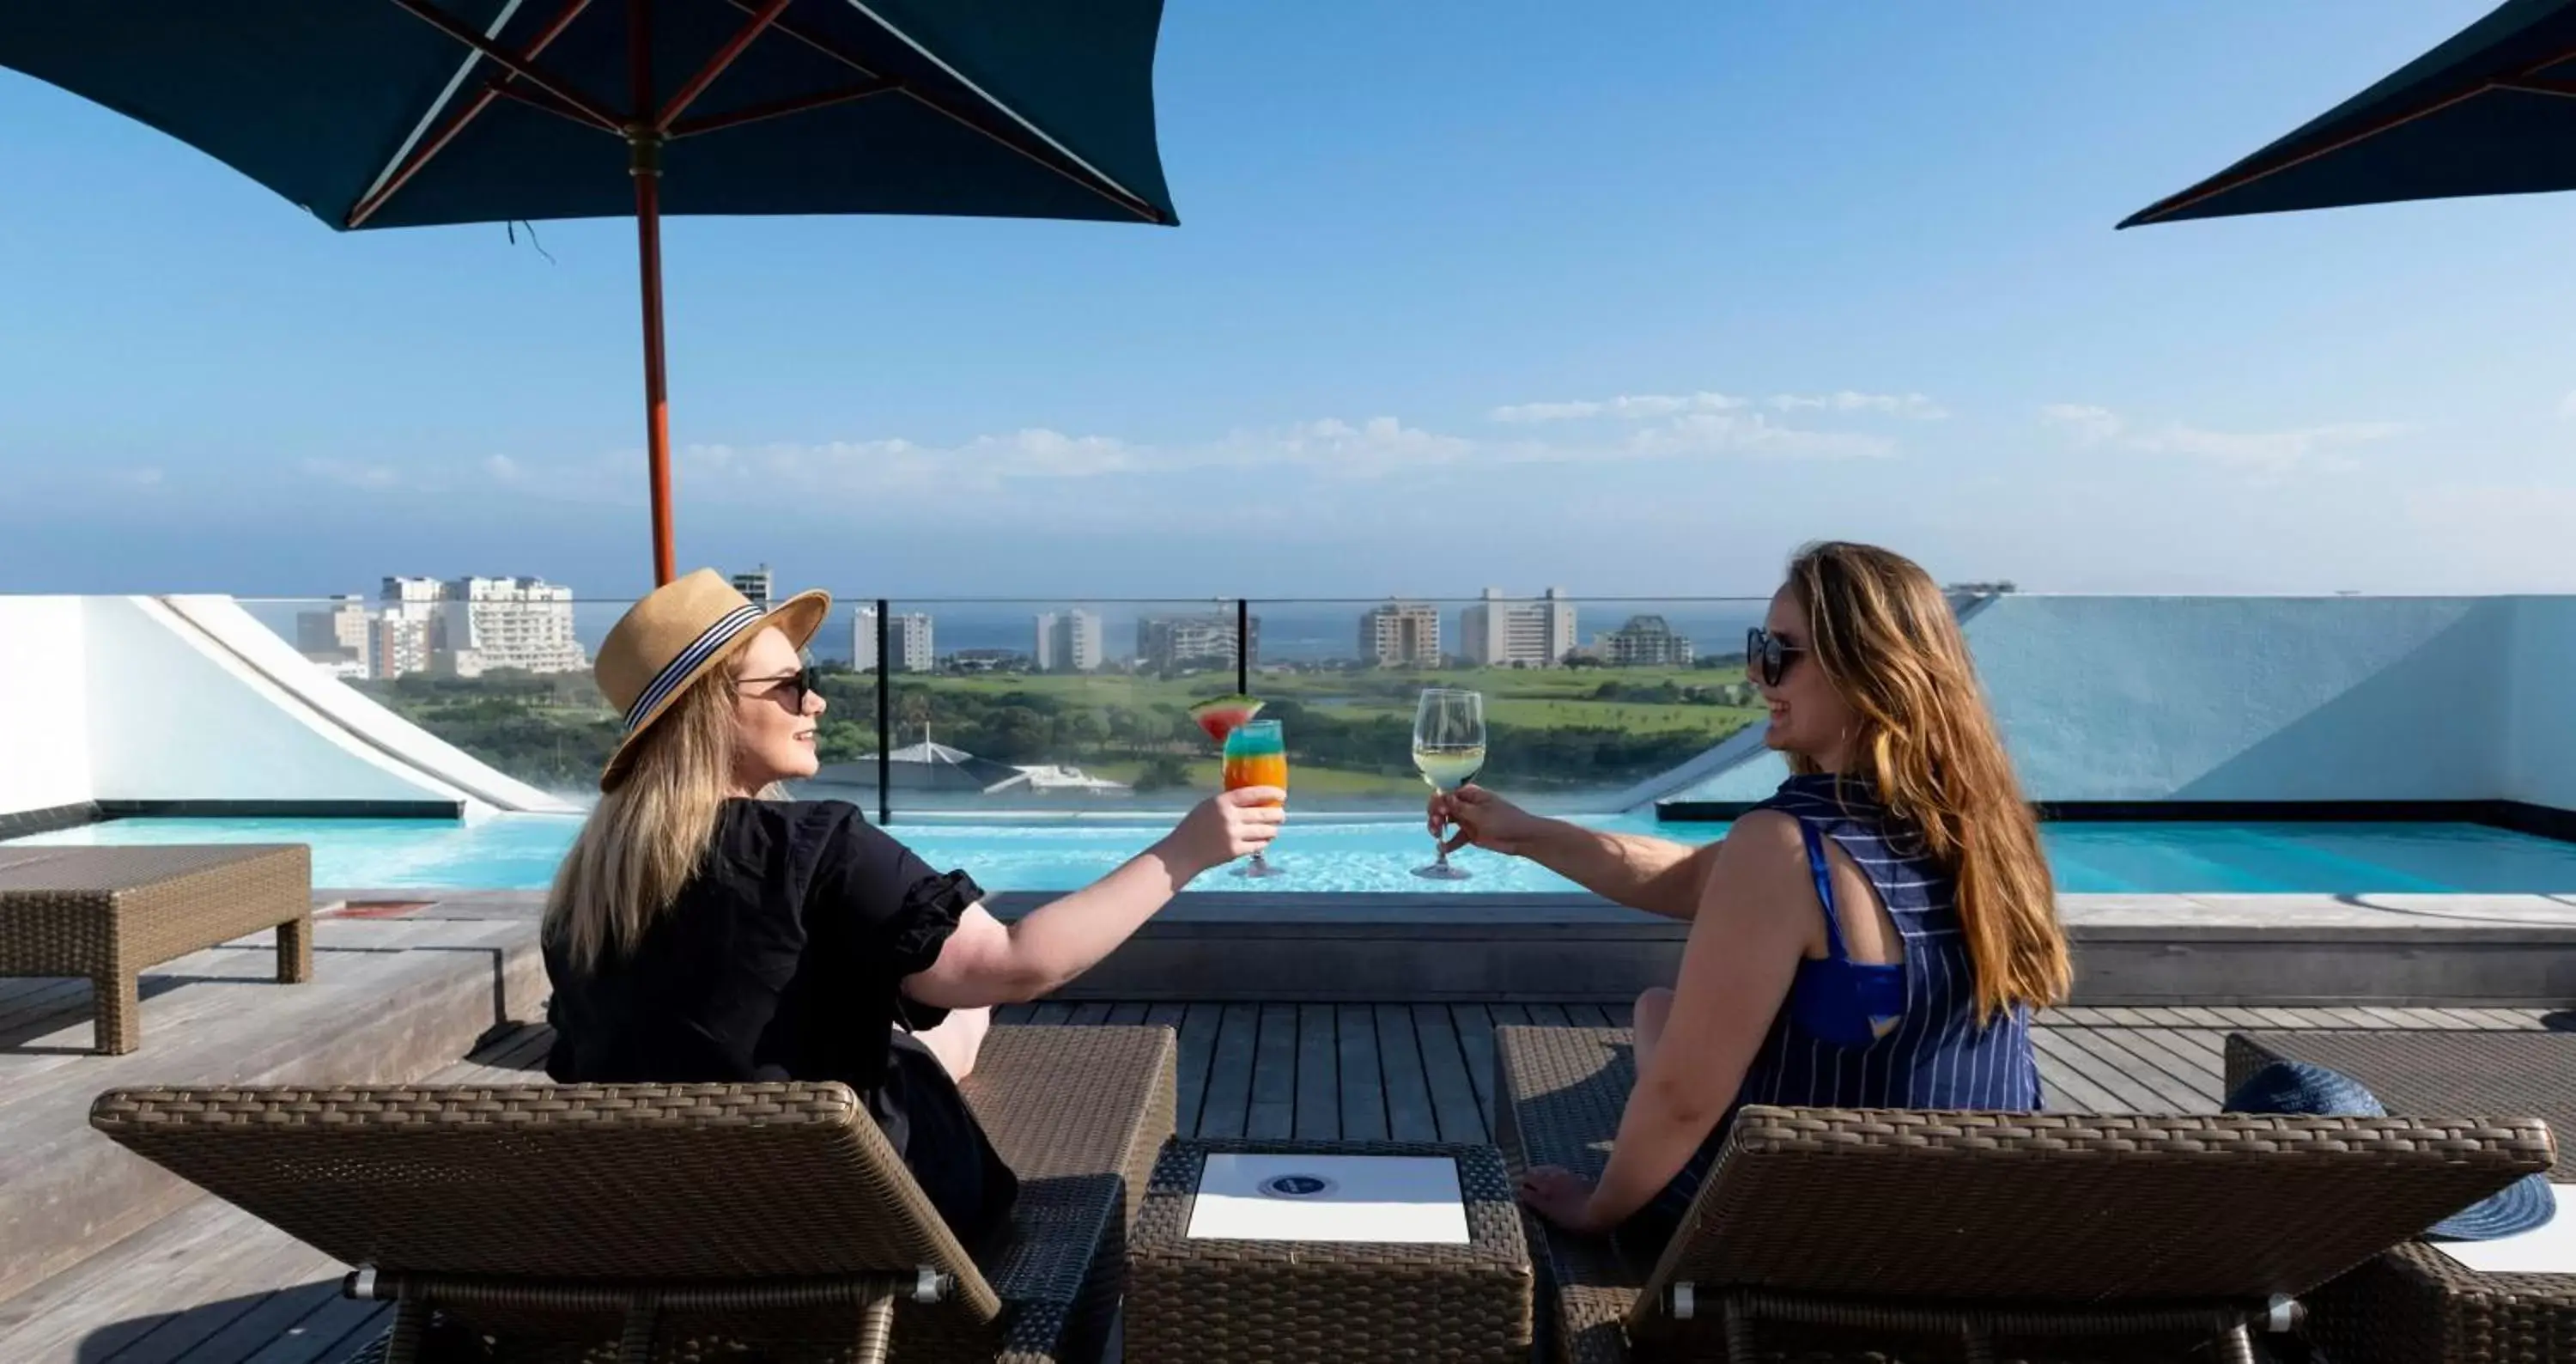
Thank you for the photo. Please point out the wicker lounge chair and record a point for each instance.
(2415, 1304)
(681, 1221)
(1836, 1232)
(107, 914)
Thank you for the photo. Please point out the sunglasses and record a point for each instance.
(1766, 655)
(793, 688)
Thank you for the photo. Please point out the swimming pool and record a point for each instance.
(519, 852)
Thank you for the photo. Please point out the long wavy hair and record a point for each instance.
(1888, 641)
(647, 837)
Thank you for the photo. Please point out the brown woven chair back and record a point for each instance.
(702, 1182)
(2071, 1209)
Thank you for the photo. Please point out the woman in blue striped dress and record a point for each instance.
(1875, 935)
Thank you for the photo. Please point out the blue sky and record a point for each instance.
(1631, 301)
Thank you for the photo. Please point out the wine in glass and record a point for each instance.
(1256, 755)
(1449, 748)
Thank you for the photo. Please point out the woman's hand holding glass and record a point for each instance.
(1484, 820)
(1225, 827)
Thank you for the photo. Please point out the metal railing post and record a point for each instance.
(885, 724)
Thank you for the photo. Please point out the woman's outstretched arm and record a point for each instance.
(1757, 918)
(1653, 874)
(986, 962)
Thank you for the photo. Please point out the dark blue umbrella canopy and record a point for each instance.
(1014, 108)
(401, 113)
(2491, 111)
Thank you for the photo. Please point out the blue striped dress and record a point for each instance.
(1936, 1055)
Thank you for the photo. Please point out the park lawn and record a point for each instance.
(1635, 717)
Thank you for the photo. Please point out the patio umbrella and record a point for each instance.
(2492, 111)
(403, 113)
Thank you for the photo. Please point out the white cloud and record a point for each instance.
(136, 478)
(504, 468)
(1641, 407)
(1913, 405)
(2088, 425)
(1753, 433)
(352, 475)
(2567, 405)
(2269, 453)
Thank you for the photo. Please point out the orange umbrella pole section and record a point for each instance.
(657, 406)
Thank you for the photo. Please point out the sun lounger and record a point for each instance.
(107, 914)
(669, 1221)
(1835, 1230)
(2416, 1304)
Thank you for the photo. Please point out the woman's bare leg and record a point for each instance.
(1654, 1009)
(957, 1038)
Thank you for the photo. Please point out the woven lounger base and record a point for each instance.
(687, 1223)
(1836, 1233)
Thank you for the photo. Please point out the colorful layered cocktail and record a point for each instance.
(1256, 755)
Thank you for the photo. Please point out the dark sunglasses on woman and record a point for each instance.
(792, 688)
(1766, 655)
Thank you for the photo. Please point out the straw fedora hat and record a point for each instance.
(684, 630)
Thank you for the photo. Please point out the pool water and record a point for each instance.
(519, 852)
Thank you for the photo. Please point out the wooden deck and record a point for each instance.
(210, 1285)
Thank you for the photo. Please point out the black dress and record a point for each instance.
(783, 959)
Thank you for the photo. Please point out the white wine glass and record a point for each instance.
(1449, 750)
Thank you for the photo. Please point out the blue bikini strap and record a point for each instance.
(1824, 888)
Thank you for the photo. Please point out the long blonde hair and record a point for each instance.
(1888, 641)
(648, 836)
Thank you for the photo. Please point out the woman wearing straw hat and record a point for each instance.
(704, 928)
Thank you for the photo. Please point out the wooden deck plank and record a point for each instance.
(1409, 1115)
(1273, 1113)
(1620, 1015)
(1476, 1039)
(1089, 1013)
(2066, 1089)
(1051, 1014)
(1512, 1015)
(273, 1317)
(1453, 1098)
(1363, 1084)
(1013, 1013)
(2186, 1085)
(336, 1330)
(1229, 1085)
(1197, 1025)
(1127, 1014)
(1550, 1016)
(1319, 1083)
(2128, 1094)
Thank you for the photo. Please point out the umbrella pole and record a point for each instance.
(645, 137)
(657, 412)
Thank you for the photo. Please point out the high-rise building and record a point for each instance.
(342, 638)
(1401, 635)
(407, 630)
(1067, 641)
(1174, 643)
(1498, 632)
(757, 585)
(908, 634)
(522, 623)
(1645, 642)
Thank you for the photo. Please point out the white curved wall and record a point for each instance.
(2267, 699)
(44, 706)
(142, 698)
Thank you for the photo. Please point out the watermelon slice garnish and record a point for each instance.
(1220, 716)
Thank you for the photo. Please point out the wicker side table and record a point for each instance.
(1459, 1290)
(108, 913)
